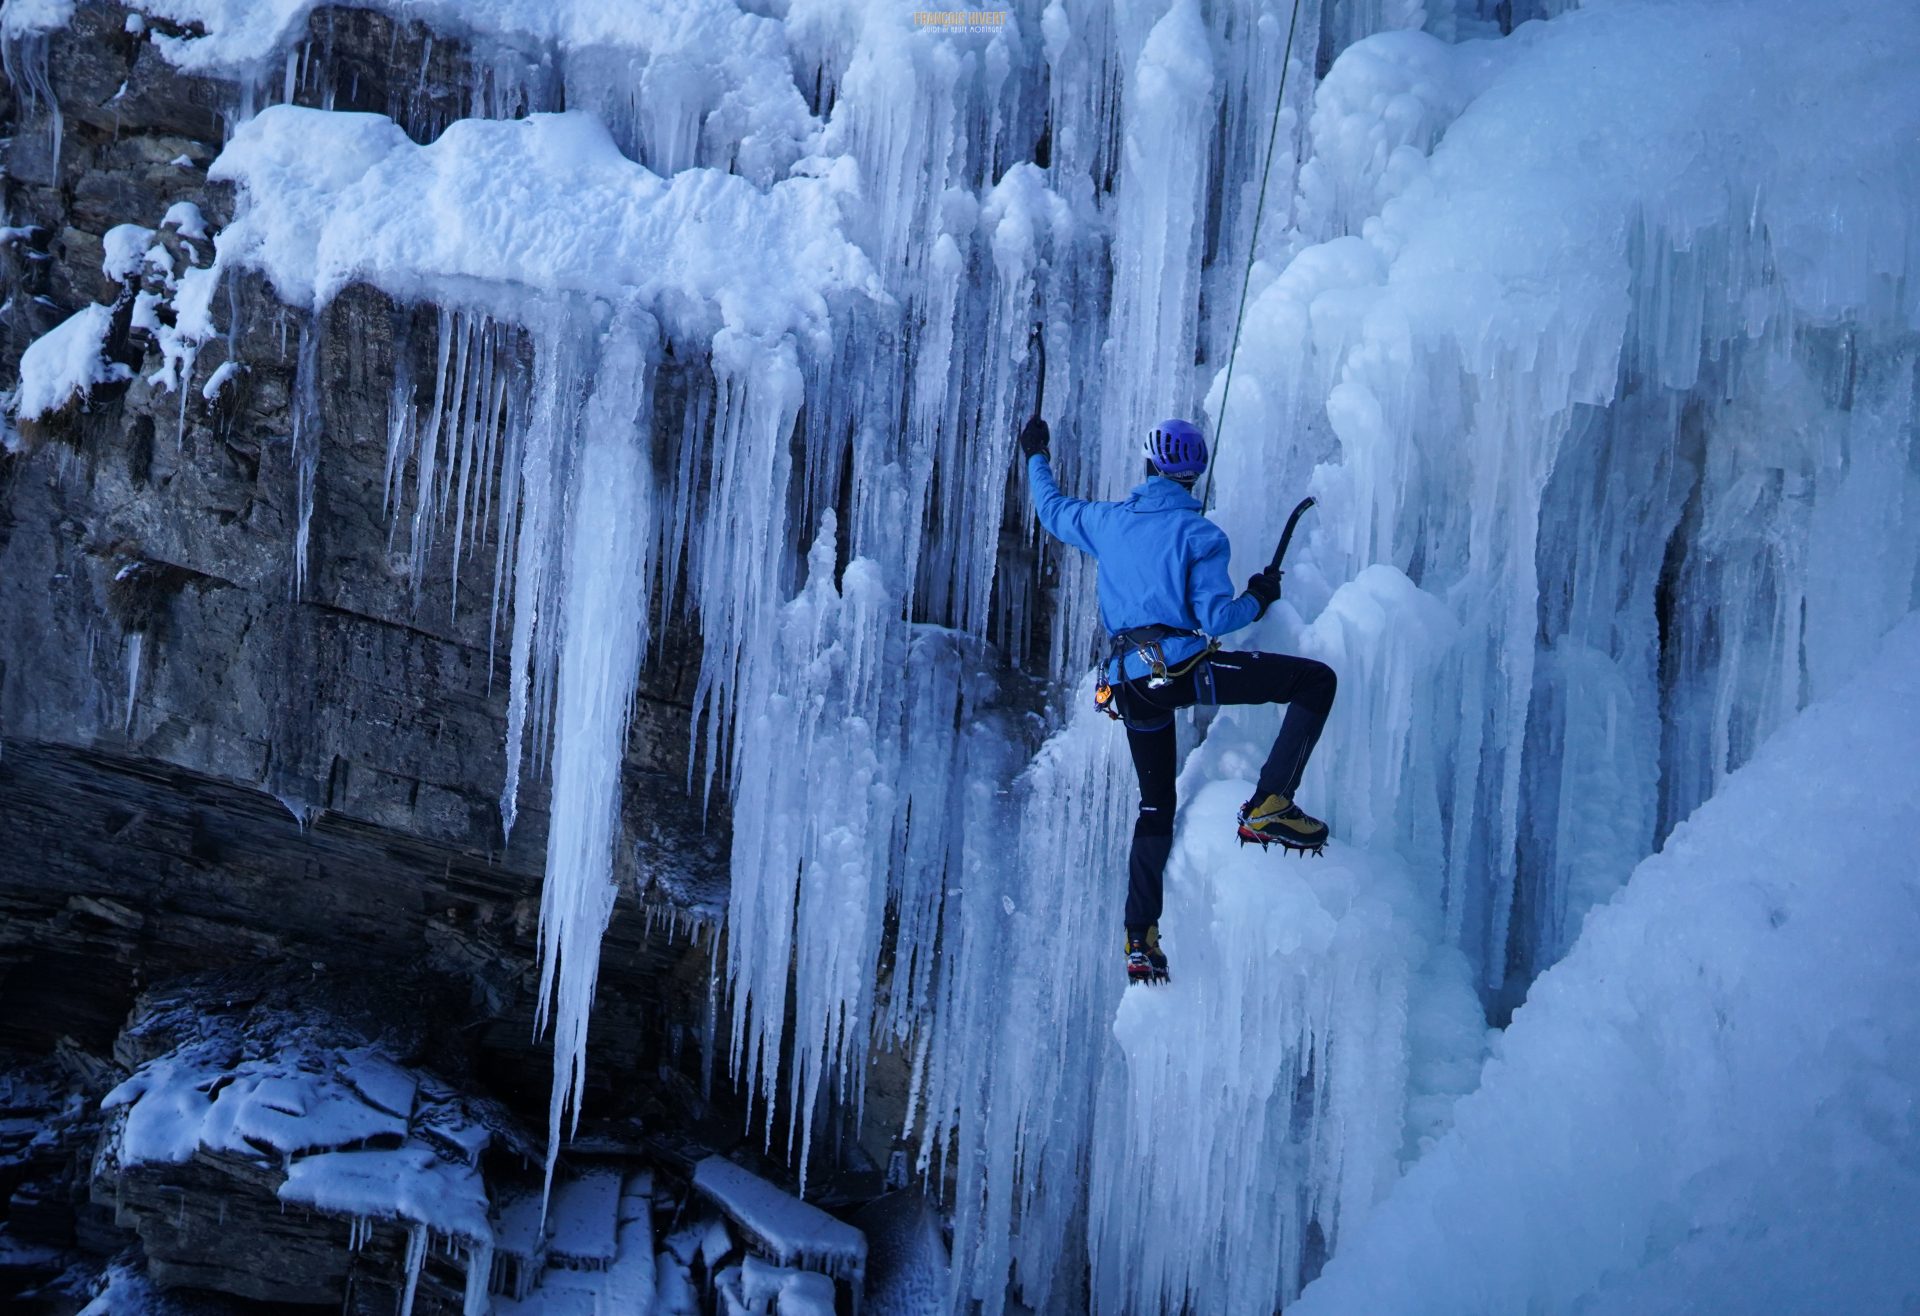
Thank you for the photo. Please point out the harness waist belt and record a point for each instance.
(1144, 635)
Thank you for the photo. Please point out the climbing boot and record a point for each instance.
(1279, 819)
(1145, 963)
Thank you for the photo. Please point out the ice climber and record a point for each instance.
(1164, 592)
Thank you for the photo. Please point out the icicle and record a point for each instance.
(479, 1264)
(603, 613)
(415, 1258)
(401, 419)
(742, 531)
(25, 59)
(561, 352)
(452, 326)
(133, 677)
(305, 441)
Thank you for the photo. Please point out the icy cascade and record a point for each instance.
(1702, 1098)
(1702, 376)
(848, 872)
(956, 246)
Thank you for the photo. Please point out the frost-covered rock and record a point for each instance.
(788, 1231)
(275, 1100)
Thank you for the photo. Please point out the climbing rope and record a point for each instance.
(1253, 245)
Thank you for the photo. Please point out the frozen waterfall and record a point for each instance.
(1598, 342)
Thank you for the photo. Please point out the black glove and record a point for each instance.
(1034, 437)
(1265, 586)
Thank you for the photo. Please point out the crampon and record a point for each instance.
(1145, 961)
(1277, 820)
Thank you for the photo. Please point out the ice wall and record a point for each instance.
(1591, 379)
(1603, 314)
(1702, 1104)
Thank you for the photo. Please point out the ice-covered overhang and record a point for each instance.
(495, 214)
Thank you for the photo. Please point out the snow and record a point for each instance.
(348, 1126)
(225, 373)
(1703, 1098)
(126, 247)
(680, 84)
(411, 1183)
(262, 1106)
(622, 1273)
(790, 1231)
(493, 209)
(66, 363)
(584, 1219)
(765, 1288)
(185, 217)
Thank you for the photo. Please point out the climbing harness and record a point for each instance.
(1253, 245)
(1145, 643)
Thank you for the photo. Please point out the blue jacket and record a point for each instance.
(1161, 562)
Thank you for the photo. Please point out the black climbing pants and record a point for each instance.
(1304, 685)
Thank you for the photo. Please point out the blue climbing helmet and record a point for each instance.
(1176, 450)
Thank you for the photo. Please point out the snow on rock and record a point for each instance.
(780, 1291)
(126, 247)
(583, 1221)
(407, 1183)
(66, 363)
(620, 1277)
(547, 204)
(788, 1230)
(185, 218)
(1707, 1101)
(357, 1135)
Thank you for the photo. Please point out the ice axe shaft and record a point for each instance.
(1286, 536)
(1040, 390)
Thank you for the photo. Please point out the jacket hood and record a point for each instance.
(1159, 494)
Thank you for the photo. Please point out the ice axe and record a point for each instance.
(1040, 345)
(1286, 536)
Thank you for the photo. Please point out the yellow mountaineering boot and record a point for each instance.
(1145, 962)
(1278, 818)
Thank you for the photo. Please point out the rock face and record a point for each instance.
(201, 769)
